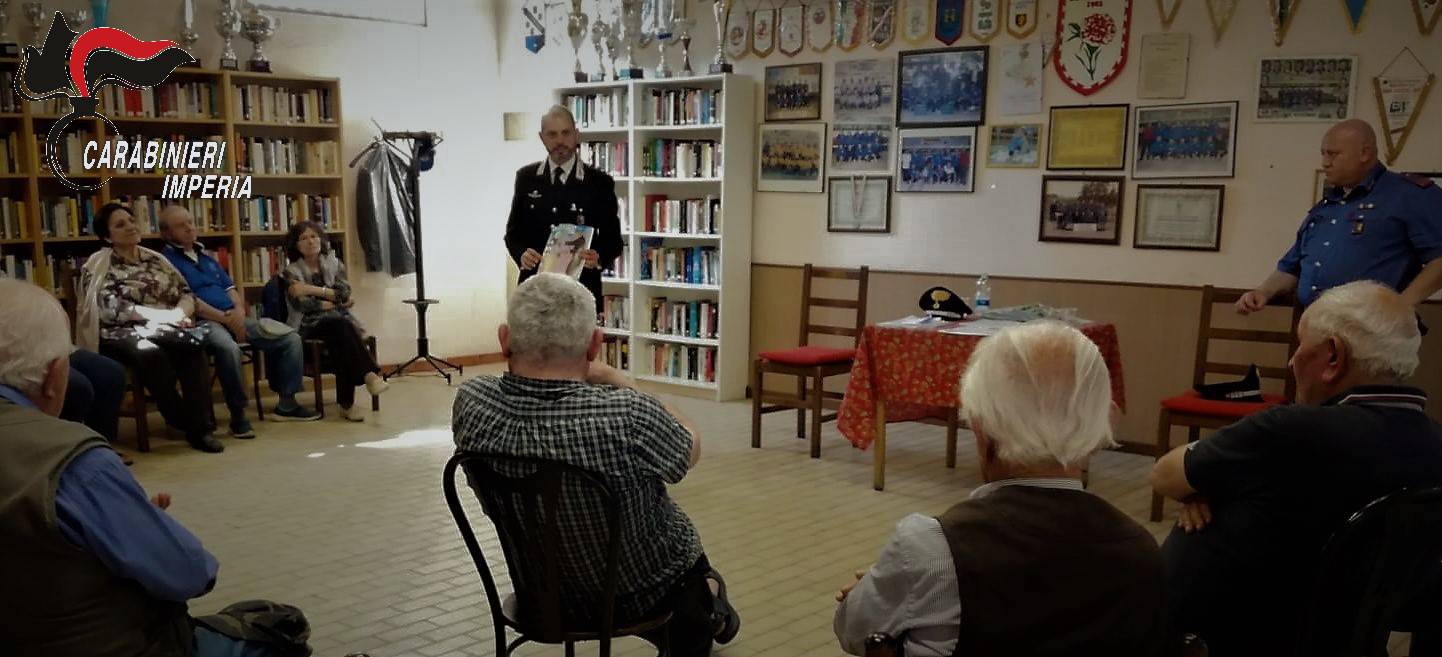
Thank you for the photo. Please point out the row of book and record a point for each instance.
(623, 211)
(9, 100)
(684, 107)
(263, 263)
(619, 268)
(690, 216)
(165, 160)
(682, 158)
(174, 100)
(615, 311)
(64, 268)
(691, 319)
(146, 210)
(280, 212)
(68, 216)
(70, 152)
(684, 362)
(616, 352)
(612, 157)
(14, 224)
(597, 110)
(19, 268)
(11, 159)
(696, 265)
(254, 102)
(264, 156)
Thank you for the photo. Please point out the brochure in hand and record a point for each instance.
(564, 247)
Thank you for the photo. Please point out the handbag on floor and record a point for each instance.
(280, 627)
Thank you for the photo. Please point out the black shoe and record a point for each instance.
(206, 442)
(724, 619)
(296, 414)
(240, 428)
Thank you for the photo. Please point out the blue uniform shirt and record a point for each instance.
(206, 278)
(1385, 230)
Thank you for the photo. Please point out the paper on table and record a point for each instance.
(981, 327)
(913, 320)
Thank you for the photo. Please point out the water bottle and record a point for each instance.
(982, 301)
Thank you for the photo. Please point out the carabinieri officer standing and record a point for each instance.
(563, 190)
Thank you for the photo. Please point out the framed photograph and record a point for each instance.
(861, 147)
(791, 158)
(1194, 140)
(864, 91)
(1014, 146)
(1187, 217)
(1306, 88)
(793, 92)
(859, 204)
(1090, 137)
(1085, 209)
(941, 87)
(936, 160)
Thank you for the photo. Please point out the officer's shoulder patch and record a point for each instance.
(1419, 180)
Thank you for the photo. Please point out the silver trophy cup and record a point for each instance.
(257, 28)
(630, 37)
(600, 31)
(719, 63)
(227, 24)
(576, 29)
(35, 14)
(8, 46)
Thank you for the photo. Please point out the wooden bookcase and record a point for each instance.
(732, 128)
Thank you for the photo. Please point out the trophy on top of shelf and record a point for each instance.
(188, 35)
(719, 64)
(631, 36)
(664, 18)
(683, 23)
(227, 24)
(8, 46)
(77, 18)
(35, 13)
(599, 32)
(576, 29)
(613, 45)
(257, 28)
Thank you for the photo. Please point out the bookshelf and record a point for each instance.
(284, 131)
(689, 146)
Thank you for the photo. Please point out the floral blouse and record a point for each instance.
(150, 282)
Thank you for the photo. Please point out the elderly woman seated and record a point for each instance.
(320, 301)
(134, 307)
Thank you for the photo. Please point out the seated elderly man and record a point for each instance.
(1031, 564)
(91, 568)
(558, 403)
(1264, 494)
(218, 304)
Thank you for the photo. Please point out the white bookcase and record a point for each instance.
(734, 130)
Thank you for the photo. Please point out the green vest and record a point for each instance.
(59, 599)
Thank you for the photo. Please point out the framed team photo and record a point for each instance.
(1014, 146)
(1082, 209)
(857, 147)
(936, 160)
(864, 91)
(791, 158)
(941, 88)
(1195, 140)
(859, 204)
(1306, 88)
(793, 92)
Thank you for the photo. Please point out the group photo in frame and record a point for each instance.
(859, 204)
(859, 147)
(1081, 209)
(864, 91)
(936, 160)
(942, 87)
(1087, 137)
(1306, 88)
(1015, 146)
(1182, 217)
(791, 157)
(1192, 140)
(793, 92)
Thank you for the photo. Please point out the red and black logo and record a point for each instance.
(78, 65)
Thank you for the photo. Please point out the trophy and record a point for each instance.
(257, 28)
(227, 23)
(719, 64)
(35, 13)
(8, 46)
(77, 18)
(664, 34)
(599, 31)
(613, 43)
(683, 24)
(576, 29)
(188, 35)
(630, 36)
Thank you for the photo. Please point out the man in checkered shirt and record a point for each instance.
(558, 403)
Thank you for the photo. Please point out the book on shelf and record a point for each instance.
(682, 158)
(9, 101)
(255, 102)
(689, 319)
(146, 210)
(684, 107)
(608, 156)
(613, 311)
(13, 220)
(64, 268)
(680, 361)
(616, 352)
(693, 216)
(263, 263)
(19, 268)
(10, 156)
(598, 110)
(70, 152)
(619, 268)
(173, 100)
(564, 247)
(53, 106)
(67, 216)
(284, 156)
(623, 212)
(280, 212)
(695, 265)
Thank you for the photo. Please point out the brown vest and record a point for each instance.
(58, 599)
(1046, 572)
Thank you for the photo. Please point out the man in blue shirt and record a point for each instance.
(1371, 224)
(219, 305)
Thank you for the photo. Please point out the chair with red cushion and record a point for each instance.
(1190, 410)
(809, 361)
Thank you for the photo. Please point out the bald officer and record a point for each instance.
(563, 190)
(1371, 224)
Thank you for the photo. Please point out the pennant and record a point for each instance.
(1168, 10)
(1220, 12)
(738, 32)
(1093, 39)
(1427, 13)
(984, 19)
(1021, 18)
(949, 21)
(819, 30)
(850, 23)
(535, 16)
(1281, 13)
(882, 27)
(763, 31)
(1356, 9)
(791, 29)
(915, 21)
(1399, 102)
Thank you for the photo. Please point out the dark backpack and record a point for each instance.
(273, 303)
(281, 627)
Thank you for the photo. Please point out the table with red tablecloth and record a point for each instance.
(908, 373)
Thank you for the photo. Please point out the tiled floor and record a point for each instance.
(347, 521)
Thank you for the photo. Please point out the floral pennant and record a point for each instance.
(1093, 39)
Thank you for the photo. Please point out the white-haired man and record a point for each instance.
(1031, 564)
(1264, 494)
(558, 403)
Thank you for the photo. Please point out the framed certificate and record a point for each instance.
(859, 204)
(1088, 137)
(1186, 217)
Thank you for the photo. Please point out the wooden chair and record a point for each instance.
(1190, 410)
(809, 361)
(249, 355)
(315, 368)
